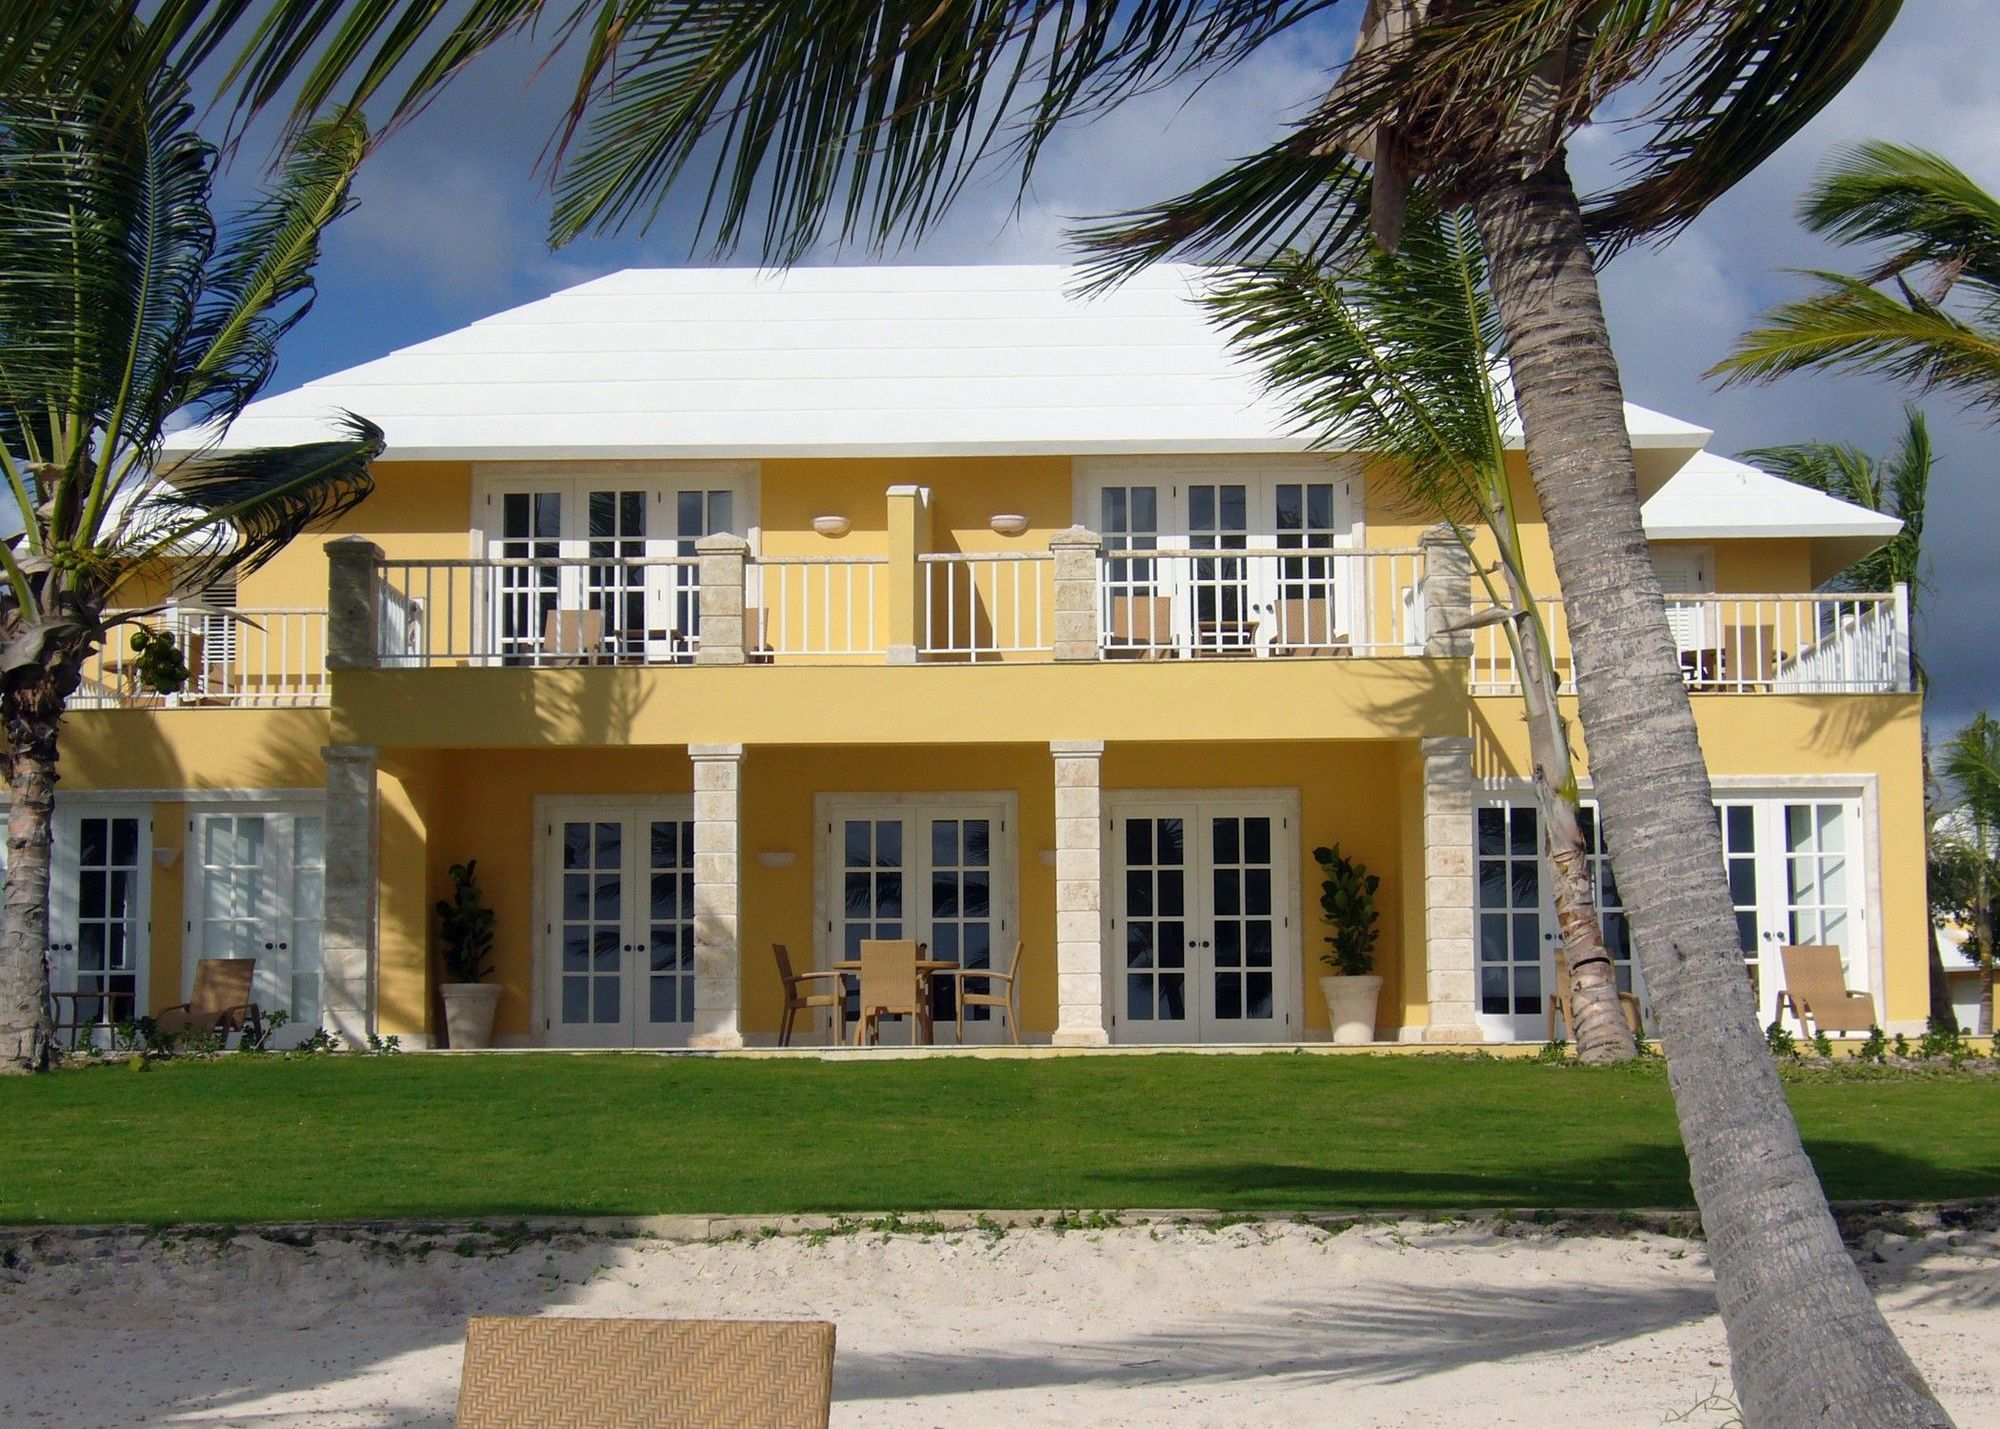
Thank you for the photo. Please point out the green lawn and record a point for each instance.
(330, 1138)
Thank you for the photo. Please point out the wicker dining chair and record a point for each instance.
(1142, 628)
(889, 989)
(798, 997)
(568, 1372)
(1003, 994)
(1635, 1022)
(1816, 992)
(573, 637)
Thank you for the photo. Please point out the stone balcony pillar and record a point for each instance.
(1451, 957)
(718, 897)
(352, 606)
(1076, 551)
(1447, 595)
(910, 536)
(1080, 1020)
(348, 938)
(724, 561)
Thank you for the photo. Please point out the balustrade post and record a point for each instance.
(353, 608)
(1077, 605)
(723, 560)
(1447, 599)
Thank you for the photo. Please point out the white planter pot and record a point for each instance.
(1350, 1006)
(468, 1012)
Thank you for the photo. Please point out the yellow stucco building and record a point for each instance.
(711, 610)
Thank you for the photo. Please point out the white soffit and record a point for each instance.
(1713, 498)
(875, 361)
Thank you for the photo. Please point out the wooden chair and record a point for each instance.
(573, 637)
(1817, 994)
(1142, 628)
(541, 1373)
(1006, 998)
(798, 1000)
(889, 989)
(221, 1001)
(1305, 627)
(1559, 1003)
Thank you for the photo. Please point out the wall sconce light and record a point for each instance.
(1008, 525)
(832, 525)
(776, 858)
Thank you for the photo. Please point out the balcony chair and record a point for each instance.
(1816, 992)
(1142, 628)
(221, 1001)
(755, 651)
(573, 637)
(541, 1372)
(1006, 998)
(1305, 627)
(798, 999)
(1559, 1003)
(889, 989)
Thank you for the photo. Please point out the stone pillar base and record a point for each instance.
(1081, 1037)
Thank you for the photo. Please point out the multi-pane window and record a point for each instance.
(961, 913)
(1156, 931)
(530, 530)
(670, 920)
(592, 920)
(1509, 853)
(1243, 916)
(617, 533)
(108, 915)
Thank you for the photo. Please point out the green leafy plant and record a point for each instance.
(1822, 1045)
(1902, 1045)
(1347, 905)
(158, 662)
(1780, 1041)
(1876, 1048)
(1942, 1039)
(1554, 1050)
(465, 926)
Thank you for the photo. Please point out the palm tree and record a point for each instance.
(1392, 355)
(1971, 769)
(864, 120)
(1927, 314)
(123, 308)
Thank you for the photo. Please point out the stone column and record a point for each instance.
(351, 609)
(1079, 893)
(1076, 552)
(1451, 968)
(1447, 595)
(348, 944)
(723, 560)
(718, 960)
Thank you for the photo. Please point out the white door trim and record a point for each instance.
(64, 890)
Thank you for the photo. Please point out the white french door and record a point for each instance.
(256, 888)
(100, 898)
(638, 612)
(1795, 876)
(618, 926)
(1225, 604)
(937, 870)
(1202, 943)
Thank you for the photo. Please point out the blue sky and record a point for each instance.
(454, 207)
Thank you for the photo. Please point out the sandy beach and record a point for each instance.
(1382, 1324)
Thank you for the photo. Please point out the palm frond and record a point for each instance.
(1846, 325)
(1969, 763)
(260, 283)
(232, 511)
(1921, 209)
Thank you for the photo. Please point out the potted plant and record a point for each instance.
(465, 931)
(1347, 905)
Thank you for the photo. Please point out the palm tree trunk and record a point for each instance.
(1807, 1344)
(31, 709)
(1597, 1020)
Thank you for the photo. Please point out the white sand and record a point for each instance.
(1382, 1325)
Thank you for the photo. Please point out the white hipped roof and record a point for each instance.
(867, 361)
(1712, 498)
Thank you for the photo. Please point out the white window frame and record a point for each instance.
(64, 884)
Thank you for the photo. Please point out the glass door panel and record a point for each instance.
(872, 886)
(530, 530)
(616, 532)
(1153, 941)
(960, 916)
(591, 934)
(696, 514)
(1137, 610)
(258, 890)
(1243, 912)
(1308, 606)
(97, 919)
(1512, 935)
(669, 933)
(1219, 588)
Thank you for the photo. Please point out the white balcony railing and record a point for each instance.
(537, 612)
(246, 656)
(1749, 644)
(835, 606)
(987, 606)
(1260, 602)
